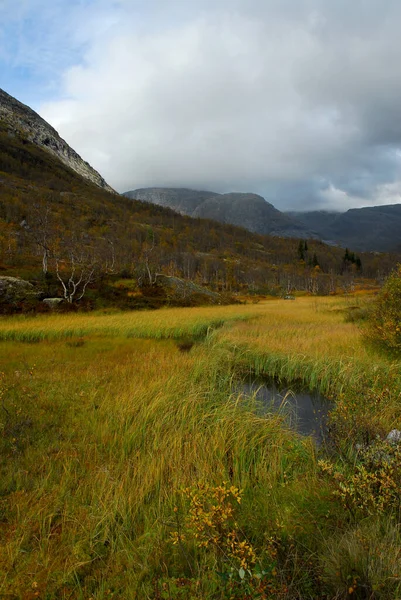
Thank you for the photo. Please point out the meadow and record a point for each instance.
(132, 468)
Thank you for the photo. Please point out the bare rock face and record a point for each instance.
(22, 118)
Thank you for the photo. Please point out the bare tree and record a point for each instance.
(77, 266)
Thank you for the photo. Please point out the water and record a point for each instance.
(306, 412)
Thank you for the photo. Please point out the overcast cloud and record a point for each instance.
(298, 100)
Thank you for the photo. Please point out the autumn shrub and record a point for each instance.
(372, 486)
(210, 523)
(385, 319)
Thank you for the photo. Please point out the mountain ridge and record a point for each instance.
(370, 228)
(182, 200)
(247, 210)
(21, 118)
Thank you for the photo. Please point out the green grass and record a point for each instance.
(164, 323)
(101, 428)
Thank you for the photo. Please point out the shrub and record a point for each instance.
(210, 524)
(372, 486)
(385, 320)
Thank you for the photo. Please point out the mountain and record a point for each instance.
(182, 200)
(245, 210)
(252, 212)
(372, 228)
(27, 124)
(56, 224)
(318, 220)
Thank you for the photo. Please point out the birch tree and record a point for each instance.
(76, 266)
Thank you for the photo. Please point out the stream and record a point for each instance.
(306, 412)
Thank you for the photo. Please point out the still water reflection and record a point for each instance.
(305, 411)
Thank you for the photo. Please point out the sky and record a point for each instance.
(296, 100)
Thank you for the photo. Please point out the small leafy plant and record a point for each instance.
(373, 485)
(210, 522)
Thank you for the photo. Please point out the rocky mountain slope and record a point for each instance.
(252, 212)
(245, 210)
(376, 228)
(23, 121)
(52, 217)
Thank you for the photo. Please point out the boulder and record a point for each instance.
(13, 289)
(52, 303)
(394, 437)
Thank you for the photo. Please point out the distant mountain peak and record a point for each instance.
(20, 118)
(363, 229)
(182, 200)
(247, 210)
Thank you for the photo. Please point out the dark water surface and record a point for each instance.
(305, 411)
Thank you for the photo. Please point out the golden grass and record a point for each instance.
(163, 323)
(97, 438)
(111, 440)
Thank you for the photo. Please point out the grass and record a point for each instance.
(164, 323)
(106, 419)
(316, 345)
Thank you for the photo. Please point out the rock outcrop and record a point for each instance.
(21, 118)
(53, 303)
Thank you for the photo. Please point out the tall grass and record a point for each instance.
(313, 343)
(164, 323)
(97, 439)
(90, 484)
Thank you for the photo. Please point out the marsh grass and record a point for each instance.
(99, 438)
(91, 494)
(164, 323)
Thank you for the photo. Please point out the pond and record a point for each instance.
(305, 411)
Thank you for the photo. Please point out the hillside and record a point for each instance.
(318, 220)
(54, 222)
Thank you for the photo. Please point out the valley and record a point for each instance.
(136, 460)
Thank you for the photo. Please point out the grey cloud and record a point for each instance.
(296, 100)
